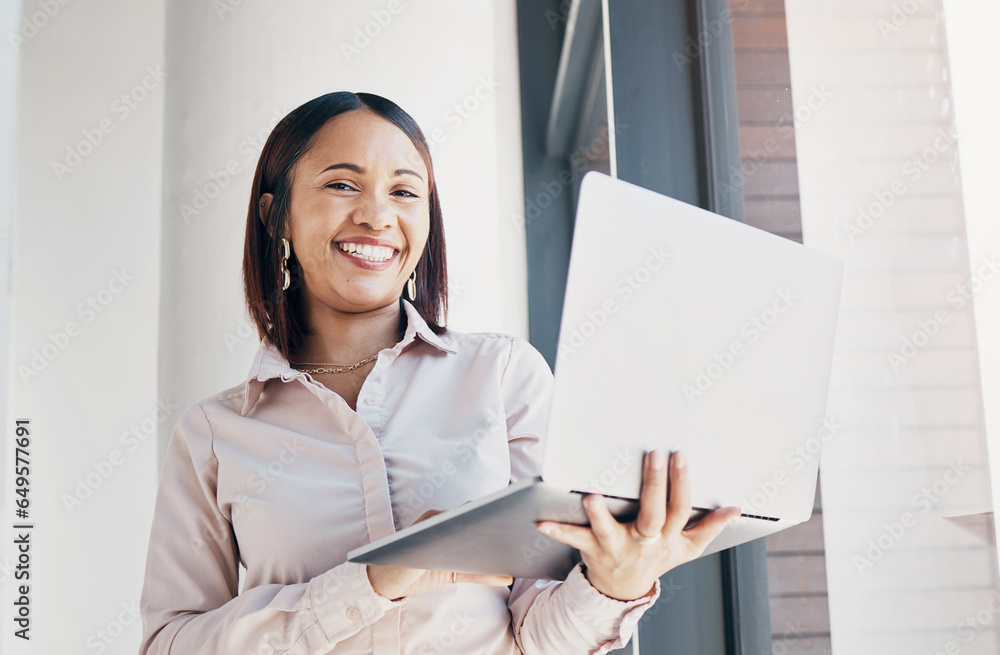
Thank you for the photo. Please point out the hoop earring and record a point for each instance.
(286, 279)
(411, 286)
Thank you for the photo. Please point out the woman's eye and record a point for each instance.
(407, 193)
(340, 186)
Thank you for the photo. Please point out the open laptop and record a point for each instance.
(681, 330)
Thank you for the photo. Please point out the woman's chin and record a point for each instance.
(366, 300)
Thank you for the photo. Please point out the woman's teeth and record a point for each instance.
(367, 252)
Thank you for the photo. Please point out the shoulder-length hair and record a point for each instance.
(278, 314)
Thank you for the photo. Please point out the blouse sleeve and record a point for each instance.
(549, 616)
(189, 603)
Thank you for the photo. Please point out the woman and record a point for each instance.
(361, 413)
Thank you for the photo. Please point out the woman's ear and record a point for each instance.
(264, 211)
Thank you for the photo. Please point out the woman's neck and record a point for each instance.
(345, 338)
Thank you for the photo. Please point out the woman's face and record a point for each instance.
(361, 187)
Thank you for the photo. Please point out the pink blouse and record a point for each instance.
(278, 474)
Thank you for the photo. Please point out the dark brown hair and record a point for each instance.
(278, 314)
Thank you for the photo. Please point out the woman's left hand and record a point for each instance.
(624, 560)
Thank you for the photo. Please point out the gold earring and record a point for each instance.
(286, 279)
(411, 286)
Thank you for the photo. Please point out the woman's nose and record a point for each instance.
(375, 212)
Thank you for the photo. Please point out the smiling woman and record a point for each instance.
(331, 158)
(357, 222)
(344, 273)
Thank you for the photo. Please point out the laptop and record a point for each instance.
(681, 330)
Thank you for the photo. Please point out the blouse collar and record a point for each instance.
(269, 363)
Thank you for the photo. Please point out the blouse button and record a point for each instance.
(371, 400)
(353, 613)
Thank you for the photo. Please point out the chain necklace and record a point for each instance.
(331, 368)
(337, 368)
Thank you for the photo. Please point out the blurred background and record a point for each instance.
(128, 137)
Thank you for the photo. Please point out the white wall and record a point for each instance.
(82, 376)
(10, 15)
(162, 339)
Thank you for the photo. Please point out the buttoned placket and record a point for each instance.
(374, 474)
(371, 395)
(372, 414)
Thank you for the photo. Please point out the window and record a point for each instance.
(837, 125)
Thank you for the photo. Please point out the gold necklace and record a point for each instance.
(325, 368)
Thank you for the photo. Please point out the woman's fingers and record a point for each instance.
(392, 582)
(428, 514)
(579, 537)
(604, 526)
(679, 508)
(489, 580)
(604, 531)
(653, 496)
(709, 527)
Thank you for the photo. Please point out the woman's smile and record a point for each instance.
(366, 253)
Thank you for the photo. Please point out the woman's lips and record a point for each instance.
(366, 264)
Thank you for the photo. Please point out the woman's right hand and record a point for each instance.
(395, 582)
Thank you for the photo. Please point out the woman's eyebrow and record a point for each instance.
(360, 171)
(407, 171)
(351, 167)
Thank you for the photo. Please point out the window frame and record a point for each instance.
(680, 138)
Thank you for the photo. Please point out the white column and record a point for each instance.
(83, 324)
(10, 16)
(906, 482)
(975, 58)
